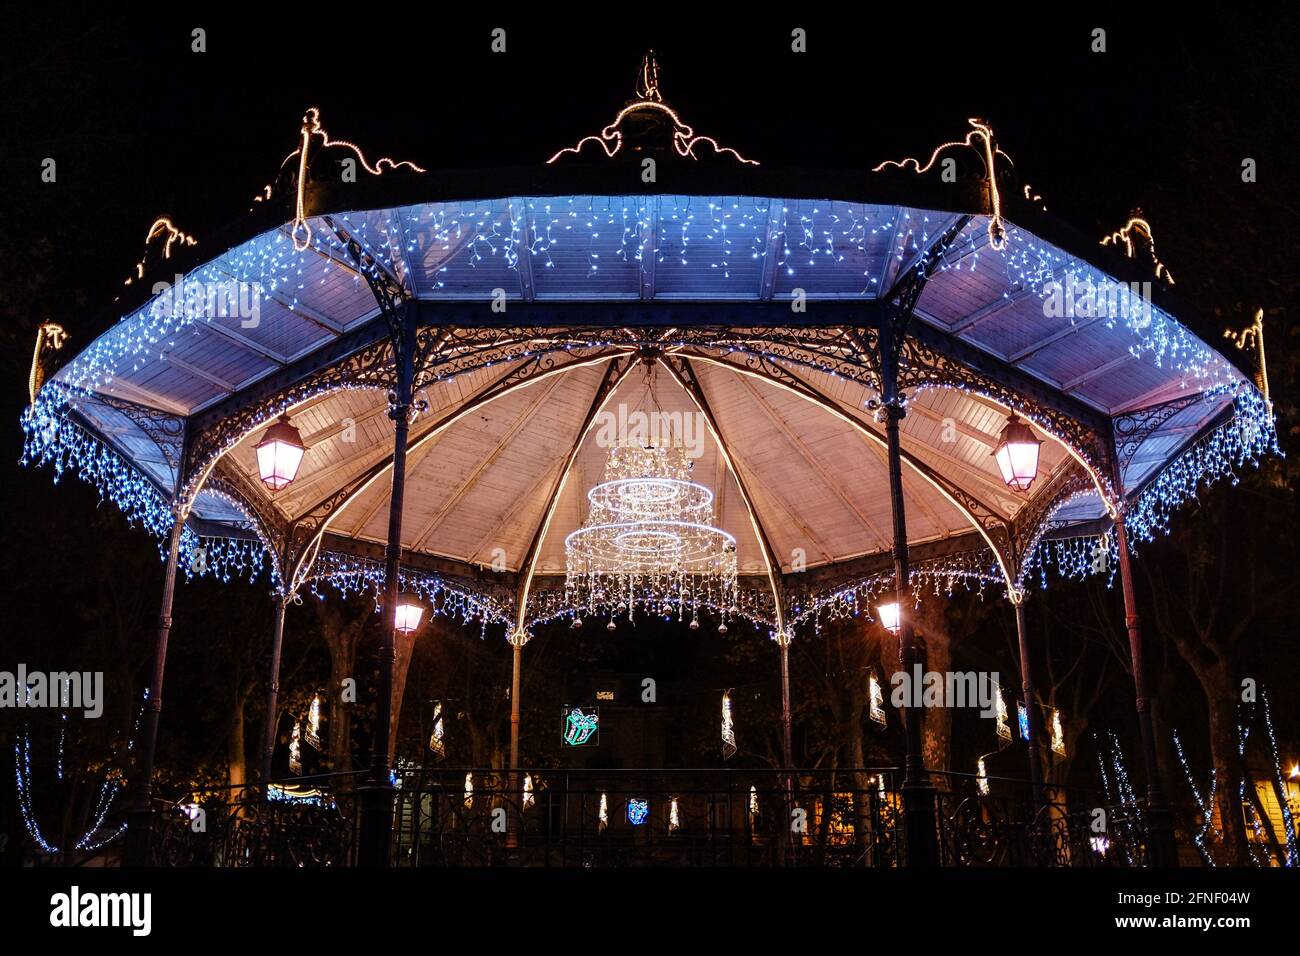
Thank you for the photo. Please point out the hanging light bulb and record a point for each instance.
(279, 454)
(888, 617)
(1017, 454)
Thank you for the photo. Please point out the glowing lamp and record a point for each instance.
(279, 454)
(888, 617)
(1017, 454)
(409, 613)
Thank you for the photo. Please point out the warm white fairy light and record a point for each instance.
(1138, 226)
(674, 816)
(313, 722)
(1002, 723)
(1252, 337)
(164, 229)
(728, 728)
(528, 798)
(436, 742)
(1058, 734)
(982, 777)
(469, 790)
(876, 699)
(603, 813)
(301, 230)
(50, 337)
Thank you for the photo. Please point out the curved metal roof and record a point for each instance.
(745, 283)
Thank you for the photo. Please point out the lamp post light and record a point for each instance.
(888, 617)
(409, 613)
(1017, 454)
(279, 454)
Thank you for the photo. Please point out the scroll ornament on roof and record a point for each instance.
(996, 170)
(1134, 233)
(162, 239)
(346, 161)
(50, 338)
(647, 126)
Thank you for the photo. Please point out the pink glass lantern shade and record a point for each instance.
(279, 454)
(1017, 454)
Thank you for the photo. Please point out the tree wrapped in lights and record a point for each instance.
(649, 540)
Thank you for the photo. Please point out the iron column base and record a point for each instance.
(375, 848)
(137, 849)
(1162, 848)
(919, 823)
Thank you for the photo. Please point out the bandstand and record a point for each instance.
(905, 379)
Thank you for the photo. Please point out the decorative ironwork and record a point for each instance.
(226, 479)
(454, 594)
(164, 429)
(1069, 482)
(922, 366)
(579, 818)
(853, 595)
(370, 368)
(1132, 429)
(528, 353)
(646, 114)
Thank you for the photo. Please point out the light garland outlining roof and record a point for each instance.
(649, 541)
(116, 413)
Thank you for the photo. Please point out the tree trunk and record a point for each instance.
(405, 646)
(343, 658)
(236, 755)
(1227, 767)
(937, 729)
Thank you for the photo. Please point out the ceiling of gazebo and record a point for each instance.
(818, 485)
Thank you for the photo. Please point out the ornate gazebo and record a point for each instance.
(446, 345)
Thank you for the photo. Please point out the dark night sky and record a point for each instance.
(140, 126)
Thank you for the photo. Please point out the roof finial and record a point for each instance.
(647, 81)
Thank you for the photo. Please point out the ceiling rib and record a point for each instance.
(609, 383)
(686, 378)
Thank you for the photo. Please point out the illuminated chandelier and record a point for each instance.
(649, 541)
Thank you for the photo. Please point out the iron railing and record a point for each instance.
(590, 818)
